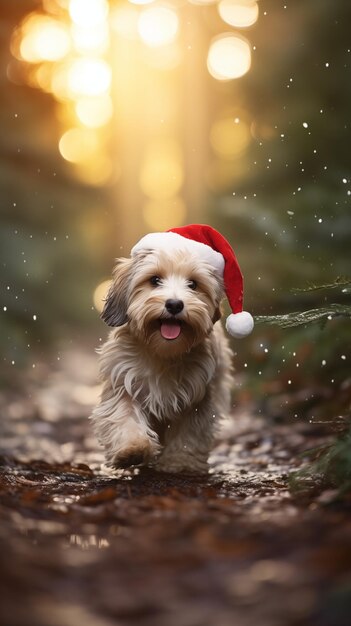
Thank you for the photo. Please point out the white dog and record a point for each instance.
(166, 367)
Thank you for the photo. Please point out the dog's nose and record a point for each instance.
(174, 306)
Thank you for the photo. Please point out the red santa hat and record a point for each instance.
(208, 244)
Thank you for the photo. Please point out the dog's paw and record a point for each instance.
(140, 452)
(131, 459)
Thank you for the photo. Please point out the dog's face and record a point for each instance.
(169, 300)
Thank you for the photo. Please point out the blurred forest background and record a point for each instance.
(119, 118)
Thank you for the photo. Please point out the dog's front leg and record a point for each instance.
(122, 429)
(188, 441)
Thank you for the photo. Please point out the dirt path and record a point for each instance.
(80, 545)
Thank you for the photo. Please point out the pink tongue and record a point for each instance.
(170, 330)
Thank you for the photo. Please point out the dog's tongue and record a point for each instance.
(170, 329)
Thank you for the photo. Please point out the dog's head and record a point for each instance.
(170, 301)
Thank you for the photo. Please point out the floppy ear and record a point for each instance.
(217, 315)
(115, 310)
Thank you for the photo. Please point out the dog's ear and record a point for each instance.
(217, 315)
(114, 312)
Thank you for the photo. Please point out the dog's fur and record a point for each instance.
(162, 398)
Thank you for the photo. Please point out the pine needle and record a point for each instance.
(340, 281)
(306, 317)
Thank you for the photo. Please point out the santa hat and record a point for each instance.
(208, 244)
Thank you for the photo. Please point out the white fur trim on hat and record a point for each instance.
(172, 241)
(239, 324)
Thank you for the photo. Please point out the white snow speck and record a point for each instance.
(305, 125)
(34, 318)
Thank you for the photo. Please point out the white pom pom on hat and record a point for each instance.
(208, 244)
(239, 324)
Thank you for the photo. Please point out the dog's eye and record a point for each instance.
(192, 284)
(155, 281)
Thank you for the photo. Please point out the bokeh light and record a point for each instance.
(43, 75)
(88, 13)
(91, 40)
(158, 26)
(60, 83)
(100, 294)
(239, 13)
(78, 144)
(229, 57)
(202, 2)
(44, 39)
(229, 137)
(89, 77)
(75, 48)
(141, 2)
(94, 112)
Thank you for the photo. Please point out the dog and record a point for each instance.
(166, 367)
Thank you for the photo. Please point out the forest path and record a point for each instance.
(81, 545)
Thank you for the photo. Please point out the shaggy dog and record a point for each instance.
(166, 366)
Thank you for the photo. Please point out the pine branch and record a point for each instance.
(306, 317)
(340, 281)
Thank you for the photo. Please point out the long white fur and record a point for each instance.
(162, 399)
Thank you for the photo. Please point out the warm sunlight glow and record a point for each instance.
(100, 294)
(43, 74)
(162, 215)
(77, 145)
(162, 173)
(87, 40)
(59, 82)
(97, 171)
(89, 77)
(44, 39)
(127, 61)
(171, 57)
(229, 137)
(88, 13)
(124, 21)
(239, 13)
(202, 2)
(140, 2)
(229, 57)
(158, 26)
(94, 112)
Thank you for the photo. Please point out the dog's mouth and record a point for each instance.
(170, 328)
